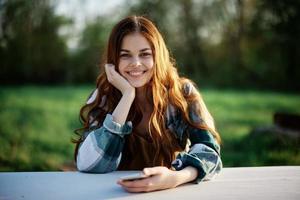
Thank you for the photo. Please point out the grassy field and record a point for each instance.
(37, 125)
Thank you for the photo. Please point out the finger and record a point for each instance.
(108, 65)
(138, 188)
(108, 71)
(135, 190)
(147, 171)
(146, 182)
(112, 70)
(151, 170)
(133, 184)
(113, 73)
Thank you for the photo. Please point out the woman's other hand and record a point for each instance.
(117, 80)
(160, 178)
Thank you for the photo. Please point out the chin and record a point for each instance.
(138, 85)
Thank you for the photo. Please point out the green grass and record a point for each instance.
(37, 125)
(237, 113)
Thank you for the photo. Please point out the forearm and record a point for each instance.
(90, 160)
(102, 157)
(205, 159)
(186, 175)
(121, 111)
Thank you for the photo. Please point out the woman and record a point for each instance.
(143, 116)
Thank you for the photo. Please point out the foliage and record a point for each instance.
(87, 57)
(30, 48)
(234, 43)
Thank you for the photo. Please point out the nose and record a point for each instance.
(136, 61)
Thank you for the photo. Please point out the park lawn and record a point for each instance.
(37, 124)
(237, 113)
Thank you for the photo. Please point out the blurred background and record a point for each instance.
(243, 54)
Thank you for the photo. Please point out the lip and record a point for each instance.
(136, 73)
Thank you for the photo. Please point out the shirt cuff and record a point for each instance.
(183, 160)
(117, 128)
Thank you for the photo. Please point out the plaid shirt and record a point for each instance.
(101, 150)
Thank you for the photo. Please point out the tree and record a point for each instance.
(87, 57)
(179, 26)
(276, 25)
(31, 49)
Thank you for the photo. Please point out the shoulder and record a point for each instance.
(194, 101)
(188, 88)
(174, 116)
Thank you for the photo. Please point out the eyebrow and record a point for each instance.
(145, 49)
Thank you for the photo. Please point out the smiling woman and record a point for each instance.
(144, 116)
(136, 60)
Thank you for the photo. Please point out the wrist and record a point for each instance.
(129, 93)
(186, 175)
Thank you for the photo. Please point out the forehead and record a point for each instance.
(135, 41)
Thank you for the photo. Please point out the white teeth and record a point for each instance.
(136, 73)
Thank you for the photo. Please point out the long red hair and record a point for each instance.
(166, 87)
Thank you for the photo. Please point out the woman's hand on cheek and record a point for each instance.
(160, 178)
(117, 80)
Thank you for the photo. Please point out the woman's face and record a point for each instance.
(136, 60)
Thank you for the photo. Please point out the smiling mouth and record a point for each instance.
(136, 73)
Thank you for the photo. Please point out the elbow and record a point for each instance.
(99, 165)
(87, 159)
(215, 169)
(92, 158)
(82, 166)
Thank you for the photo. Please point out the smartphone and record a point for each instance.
(132, 177)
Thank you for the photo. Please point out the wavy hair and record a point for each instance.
(166, 87)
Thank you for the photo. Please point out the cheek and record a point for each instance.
(149, 63)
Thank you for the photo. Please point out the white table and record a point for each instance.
(233, 183)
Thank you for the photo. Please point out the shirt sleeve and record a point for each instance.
(204, 151)
(204, 155)
(101, 150)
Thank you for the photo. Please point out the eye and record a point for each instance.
(146, 54)
(125, 55)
